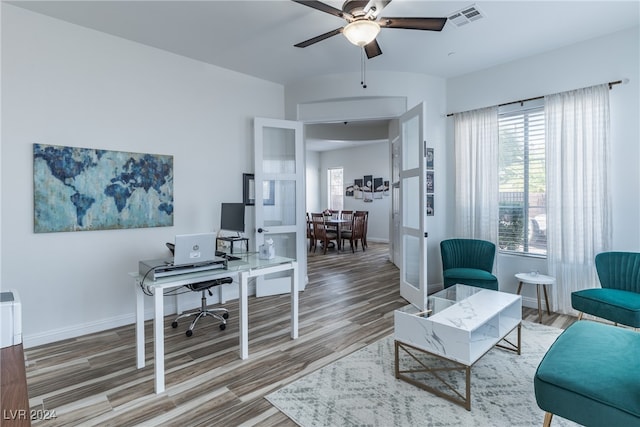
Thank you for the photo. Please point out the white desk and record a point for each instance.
(249, 266)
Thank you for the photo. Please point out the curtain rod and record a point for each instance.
(611, 84)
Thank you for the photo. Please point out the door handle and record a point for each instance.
(260, 230)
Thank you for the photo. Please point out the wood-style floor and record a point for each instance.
(92, 380)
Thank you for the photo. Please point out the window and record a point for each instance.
(335, 188)
(522, 180)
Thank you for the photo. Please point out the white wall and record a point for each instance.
(66, 85)
(596, 61)
(371, 159)
(313, 202)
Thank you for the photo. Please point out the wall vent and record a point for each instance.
(466, 15)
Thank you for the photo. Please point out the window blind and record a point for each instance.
(522, 181)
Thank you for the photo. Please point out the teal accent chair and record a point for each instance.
(591, 375)
(618, 300)
(468, 261)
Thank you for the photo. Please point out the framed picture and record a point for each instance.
(357, 188)
(348, 192)
(88, 189)
(429, 204)
(368, 183)
(249, 191)
(377, 185)
(429, 158)
(429, 181)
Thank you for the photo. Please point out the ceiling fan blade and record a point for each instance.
(318, 5)
(319, 38)
(372, 49)
(429, 24)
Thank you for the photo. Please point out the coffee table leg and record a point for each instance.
(467, 405)
(397, 367)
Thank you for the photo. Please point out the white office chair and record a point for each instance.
(222, 314)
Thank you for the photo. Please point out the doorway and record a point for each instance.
(361, 149)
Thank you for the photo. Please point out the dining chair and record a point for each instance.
(345, 216)
(333, 214)
(366, 225)
(321, 233)
(356, 231)
(312, 240)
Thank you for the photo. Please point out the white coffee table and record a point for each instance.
(461, 325)
(538, 280)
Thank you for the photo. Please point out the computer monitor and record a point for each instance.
(232, 218)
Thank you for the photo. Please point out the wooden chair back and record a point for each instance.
(320, 231)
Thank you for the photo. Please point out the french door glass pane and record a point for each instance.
(411, 259)
(411, 202)
(279, 204)
(279, 151)
(410, 141)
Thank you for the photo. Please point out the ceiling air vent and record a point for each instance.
(466, 15)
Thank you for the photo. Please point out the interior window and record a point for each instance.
(336, 188)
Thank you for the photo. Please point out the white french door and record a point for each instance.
(279, 198)
(413, 234)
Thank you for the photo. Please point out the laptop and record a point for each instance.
(193, 249)
(192, 252)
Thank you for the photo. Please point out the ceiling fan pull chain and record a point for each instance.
(363, 70)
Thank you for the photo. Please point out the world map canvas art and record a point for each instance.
(81, 189)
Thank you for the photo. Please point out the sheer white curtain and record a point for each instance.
(476, 170)
(578, 193)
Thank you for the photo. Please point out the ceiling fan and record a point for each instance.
(363, 24)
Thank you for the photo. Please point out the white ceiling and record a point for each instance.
(257, 37)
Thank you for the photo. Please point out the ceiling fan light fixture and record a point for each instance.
(361, 32)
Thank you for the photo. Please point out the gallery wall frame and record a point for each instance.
(367, 188)
(430, 182)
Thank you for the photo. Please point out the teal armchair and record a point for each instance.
(618, 300)
(468, 261)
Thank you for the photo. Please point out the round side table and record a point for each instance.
(538, 280)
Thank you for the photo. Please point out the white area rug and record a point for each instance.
(361, 390)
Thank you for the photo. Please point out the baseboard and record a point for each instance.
(377, 240)
(230, 292)
(75, 331)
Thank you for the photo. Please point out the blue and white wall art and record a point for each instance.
(80, 189)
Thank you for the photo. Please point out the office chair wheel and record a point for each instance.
(223, 326)
(174, 324)
(225, 315)
(189, 332)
